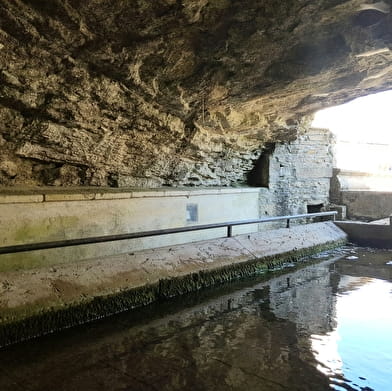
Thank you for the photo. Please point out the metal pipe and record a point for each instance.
(134, 235)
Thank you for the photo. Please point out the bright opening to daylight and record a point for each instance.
(363, 131)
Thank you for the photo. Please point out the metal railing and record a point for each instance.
(111, 238)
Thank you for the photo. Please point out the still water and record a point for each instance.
(326, 326)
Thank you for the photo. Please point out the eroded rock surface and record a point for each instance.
(165, 92)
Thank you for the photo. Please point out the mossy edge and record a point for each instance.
(54, 319)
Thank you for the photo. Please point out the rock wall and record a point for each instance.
(188, 92)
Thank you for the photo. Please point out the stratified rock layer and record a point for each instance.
(151, 93)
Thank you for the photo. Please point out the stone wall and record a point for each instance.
(299, 175)
(346, 180)
(366, 196)
(367, 205)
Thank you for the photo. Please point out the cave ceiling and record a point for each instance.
(148, 93)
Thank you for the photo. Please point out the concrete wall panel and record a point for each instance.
(73, 215)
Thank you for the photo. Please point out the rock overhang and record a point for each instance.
(139, 93)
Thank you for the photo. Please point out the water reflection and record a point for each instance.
(313, 329)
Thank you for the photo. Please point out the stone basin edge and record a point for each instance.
(37, 319)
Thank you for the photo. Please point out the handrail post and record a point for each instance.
(229, 231)
(288, 223)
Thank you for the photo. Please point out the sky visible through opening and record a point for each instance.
(363, 131)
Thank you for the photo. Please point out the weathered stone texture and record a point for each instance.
(299, 174)
(150, 93)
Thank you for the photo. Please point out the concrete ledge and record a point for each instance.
(36, 302)
(113, 196)
(367, 205)
(69, 197)
(18, 199)
(367, 234)
(50, 194)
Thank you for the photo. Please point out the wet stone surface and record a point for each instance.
(324, 326)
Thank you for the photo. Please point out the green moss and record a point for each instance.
(21, 261)
(45, 230)
(49, 320)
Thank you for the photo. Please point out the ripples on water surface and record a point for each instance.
(325, 326)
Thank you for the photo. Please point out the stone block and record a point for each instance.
(69, 197)
(143, 194)
(113, 196)
(314, 172)
(177, 193)
(19, 199)
(341, 209)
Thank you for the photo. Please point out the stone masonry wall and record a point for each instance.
(299, 174)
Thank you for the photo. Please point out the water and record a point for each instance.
(322, 327)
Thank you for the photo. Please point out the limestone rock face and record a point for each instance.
(174, 92)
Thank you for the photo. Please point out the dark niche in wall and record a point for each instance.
(259, 175)
(315, 208)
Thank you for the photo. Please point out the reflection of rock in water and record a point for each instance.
(257, 338)
(309, 302)
(246, 340)
(239, 350)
